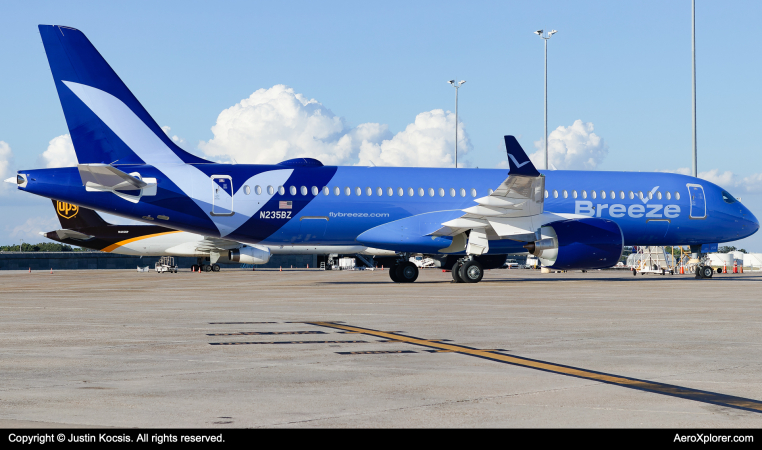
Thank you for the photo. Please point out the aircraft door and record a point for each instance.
(312, 229)
(698, 201)
(222, 195)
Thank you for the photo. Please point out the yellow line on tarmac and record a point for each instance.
(633, 383)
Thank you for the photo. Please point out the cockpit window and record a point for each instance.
(728, 198)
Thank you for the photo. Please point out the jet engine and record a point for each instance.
(250, 255)
(589, 243)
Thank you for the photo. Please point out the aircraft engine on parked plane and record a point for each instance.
(250, 255)
(579, 244)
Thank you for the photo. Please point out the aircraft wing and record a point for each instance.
(514, 210)
(213, 244)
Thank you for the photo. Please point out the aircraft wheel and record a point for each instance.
(393, 273)
(719, 270)
(215, 267)
(207, 268)
(407, 272)
(634, 273)
(471, 271)
(707, 272)
(456, 273)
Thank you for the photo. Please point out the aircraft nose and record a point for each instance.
(753, 222)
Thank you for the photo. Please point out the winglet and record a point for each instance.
(518, 160)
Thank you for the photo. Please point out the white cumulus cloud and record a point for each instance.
(33, 225)
(276, 124)
(728, 180)
(6, 158)
(427, 142)
(60, 152)
(575, 147)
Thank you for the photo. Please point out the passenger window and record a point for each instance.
(566, 194)
(473, 192)
(400, 192)
(410, 192)
(258, 189)
(281, 190)
(621, 195)
(270, 190)
(452, 192)
(358, 191)
(603, 194)
(677, 196)
(462, 192)
(658, 195)
(555, 193)
(669, 196)
(584, 194)
(369, 191)
(246, 189)
(380, 192)
(632, 195)
(546, 193)
(594, 194)
(326, 190)
(337, 190)
(421, 192)
(613, 195)
(650, 195)
(640, 195)
(315, 190)
(304, 190)
(292, 190)
(431, 192)
(390, 192)
(574, 194)
(347, 190)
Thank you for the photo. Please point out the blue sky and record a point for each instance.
(624, 67)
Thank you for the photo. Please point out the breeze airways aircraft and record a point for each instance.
(569, 219)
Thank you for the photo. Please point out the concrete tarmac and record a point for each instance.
(112, 348)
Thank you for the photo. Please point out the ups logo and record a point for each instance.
(66, 210)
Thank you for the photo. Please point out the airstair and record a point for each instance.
(652, 259)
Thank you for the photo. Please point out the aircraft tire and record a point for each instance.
(456, 273)
(707, 272)
(471, 271)
(634, 272)
(207, 268)
(393, 273)
(215, 267)
(407, 272)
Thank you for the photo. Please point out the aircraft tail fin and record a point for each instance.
(518, 160)
(72, 217)
(107, 123)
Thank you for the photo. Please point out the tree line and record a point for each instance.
(41, 247)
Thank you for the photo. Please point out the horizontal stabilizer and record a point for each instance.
(106, 177)
(71, 234)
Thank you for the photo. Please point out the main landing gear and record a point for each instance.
(201, 267)
(467, 271)
(403, 272)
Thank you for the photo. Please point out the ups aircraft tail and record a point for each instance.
(107, 123)
(72, 217)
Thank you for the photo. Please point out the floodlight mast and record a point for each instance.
(456, 86)
(545, 38)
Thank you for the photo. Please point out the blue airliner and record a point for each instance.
(569, 219)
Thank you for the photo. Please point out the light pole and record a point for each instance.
(545, 38)
(693, 48)
(457, 87)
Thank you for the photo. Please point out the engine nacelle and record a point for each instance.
(250, 255)
(589, 243)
